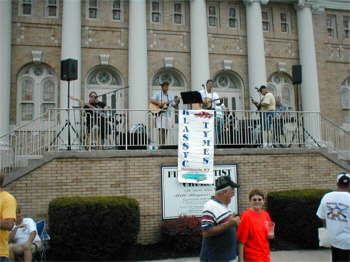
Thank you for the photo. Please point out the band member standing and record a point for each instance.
(268, 106)
(166, 104)
(268, 102)
(212, 101)
(95, 118)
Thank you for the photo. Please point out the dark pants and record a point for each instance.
(340, 255)
(4, 259)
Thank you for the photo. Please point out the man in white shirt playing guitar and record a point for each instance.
(163, 104)
(212, 101)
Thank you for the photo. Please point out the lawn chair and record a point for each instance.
(40, 255)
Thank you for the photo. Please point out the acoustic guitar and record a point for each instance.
(207, 102)
(155, 109)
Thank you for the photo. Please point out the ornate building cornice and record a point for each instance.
(318, 5)
(263, 2)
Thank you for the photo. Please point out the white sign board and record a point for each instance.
(196, 146)
(189, 198)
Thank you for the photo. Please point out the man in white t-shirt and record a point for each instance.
(166, 104)
(334, 210)
(212, 101)
(24, 238)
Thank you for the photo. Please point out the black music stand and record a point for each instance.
(191, 97)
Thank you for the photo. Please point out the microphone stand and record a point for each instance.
(115, 90)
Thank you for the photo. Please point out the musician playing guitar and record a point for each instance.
(163, 104)
(268, 106)
(212, 101)
(268, 102)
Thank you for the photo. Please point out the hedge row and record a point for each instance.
(294, 212)
(92, 228)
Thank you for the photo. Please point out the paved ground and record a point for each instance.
(281, 256)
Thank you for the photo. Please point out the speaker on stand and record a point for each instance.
(297, 79)
(69, 72)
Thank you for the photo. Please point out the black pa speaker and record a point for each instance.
(296, 73)
(69, 69)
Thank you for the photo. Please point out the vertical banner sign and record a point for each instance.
(196, 147)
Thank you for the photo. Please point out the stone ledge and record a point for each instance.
(50, 156)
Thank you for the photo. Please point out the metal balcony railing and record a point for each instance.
(110, 129)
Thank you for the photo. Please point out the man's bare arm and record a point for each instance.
(216, 230)
(7, 224)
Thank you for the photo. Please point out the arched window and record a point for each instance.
(345, 94)
(36, 91)
(175, 79)
(281, 87)
(107, 83)
(229, 86)
(169, 75)
(345, 101)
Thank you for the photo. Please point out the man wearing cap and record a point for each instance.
(268, 102)
(334, 210)
(219, 224)
(268, 106)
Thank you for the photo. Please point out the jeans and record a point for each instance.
(4, 259)
(340, 255)
(219, 127)
(268, 116)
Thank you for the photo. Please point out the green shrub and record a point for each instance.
(294, 213)
(182, 234)
(92, 228)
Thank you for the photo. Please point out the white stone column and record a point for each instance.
(138, 81)
(200, 72)
(256, 50)
(309, 87)
(5, 67)
(71, 48)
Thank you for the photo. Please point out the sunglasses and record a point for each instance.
(257, 199)
(93, 96)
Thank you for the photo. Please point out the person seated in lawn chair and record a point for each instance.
(24, 238)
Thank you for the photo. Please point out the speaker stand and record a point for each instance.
(68, 124)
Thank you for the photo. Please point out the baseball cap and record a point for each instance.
(223, 182)
(343, 179)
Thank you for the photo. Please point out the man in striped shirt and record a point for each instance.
(219, 224)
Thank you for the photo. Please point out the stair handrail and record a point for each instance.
(22, 125)
(335, 125)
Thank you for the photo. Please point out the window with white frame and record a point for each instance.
(281, 87)
(93, 9)
(345, 100)
(51, 9)
(170, 76)
(212, 15)
(117, 10)
(36, 92)
(178, 13)
(229, 85)
(345, 94)
(103, 80)
(25, 7)
(346, 26)
(332, 26)
(266, 20)
(284, 21)
(156, 12)
(233, 17)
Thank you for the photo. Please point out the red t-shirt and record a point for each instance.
(252, 232)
